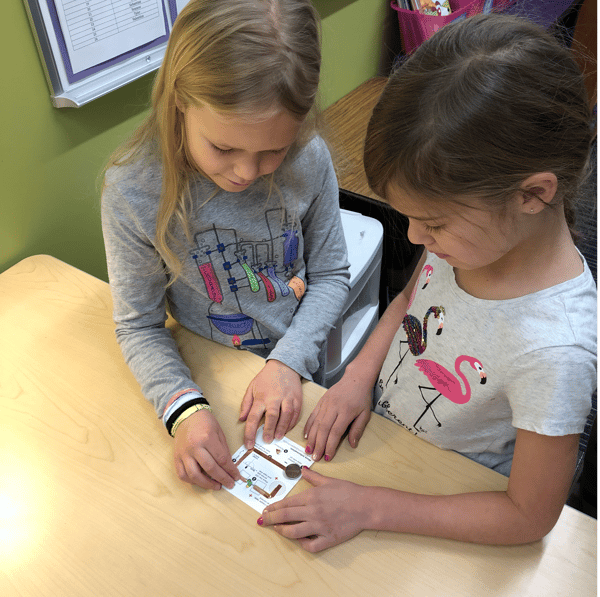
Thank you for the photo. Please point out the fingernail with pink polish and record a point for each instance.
(260, 521)
(327, 458)
(308, 450)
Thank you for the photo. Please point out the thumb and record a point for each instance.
(314, 478)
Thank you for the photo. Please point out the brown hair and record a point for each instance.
(240, 57)
(478, 108)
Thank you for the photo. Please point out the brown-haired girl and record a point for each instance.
(481, 139)
(223, 208)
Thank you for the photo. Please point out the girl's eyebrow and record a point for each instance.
(226, 147)
(422, 218)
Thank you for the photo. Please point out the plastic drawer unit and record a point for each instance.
(364, 239)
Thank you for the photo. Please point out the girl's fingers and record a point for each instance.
(314, 415)
(296, 417)
(286, 416)
(293, 508)
(290, 514)
(271, 417)
(298, 530)
(309, 422)
(358, 427)
(194, 474)
(272, 513)
(324, 428)
(223, 458)
(246, 405)
(217, 464)
(252, 424)
(315, 543)
(314, 478)
(213, 470)
(333, 440)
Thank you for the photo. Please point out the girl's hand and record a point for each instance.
(202, 456)
(346, 404)
(329, 513)
(275, 392)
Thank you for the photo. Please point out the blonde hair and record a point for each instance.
(240, 57)
(478, 108)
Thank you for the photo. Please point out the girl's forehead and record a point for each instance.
(420, 207)
(413, 205)
(254, 116)
(269, 130)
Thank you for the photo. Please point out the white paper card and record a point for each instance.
(263, 470)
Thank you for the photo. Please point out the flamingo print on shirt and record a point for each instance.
(416, 336)
(447, 384)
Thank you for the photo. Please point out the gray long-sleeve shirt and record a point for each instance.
(267, 275)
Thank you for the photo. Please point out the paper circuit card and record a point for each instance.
(269, 471)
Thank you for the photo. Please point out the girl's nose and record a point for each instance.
(417, 233)
(247, 168)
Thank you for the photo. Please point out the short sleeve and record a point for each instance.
(550, 390)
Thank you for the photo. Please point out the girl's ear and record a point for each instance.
(538, 191)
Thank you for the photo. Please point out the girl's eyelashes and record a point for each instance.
(432, 229)
(220, 150)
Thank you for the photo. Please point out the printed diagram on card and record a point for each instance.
(269, 471)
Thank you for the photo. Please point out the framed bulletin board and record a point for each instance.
(90, 47)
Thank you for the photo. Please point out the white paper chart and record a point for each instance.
(263, 470)
(180, 4)
(98, 30)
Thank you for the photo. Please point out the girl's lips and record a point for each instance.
(442, 255)
(240, 184)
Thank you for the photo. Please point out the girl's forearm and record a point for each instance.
(369, 360)
(485, 517)
(367, 364)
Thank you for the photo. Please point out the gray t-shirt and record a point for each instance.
(266, 272)
(464, 373)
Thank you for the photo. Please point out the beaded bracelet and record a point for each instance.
(188, 413)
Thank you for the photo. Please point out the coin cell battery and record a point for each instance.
(293, 471)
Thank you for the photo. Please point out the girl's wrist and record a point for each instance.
(186, 414)
(366, 511)
(359, 375)
(281, 365)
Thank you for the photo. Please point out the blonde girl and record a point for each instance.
(222, 208)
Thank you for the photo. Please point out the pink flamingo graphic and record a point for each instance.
(445, 383)
(417, 336)
(427, 270)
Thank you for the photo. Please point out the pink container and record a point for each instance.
(415, 27)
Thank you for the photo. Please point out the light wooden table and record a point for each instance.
(90, 504)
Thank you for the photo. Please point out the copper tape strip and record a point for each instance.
(272, 461)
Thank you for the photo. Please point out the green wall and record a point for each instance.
(50, 159)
